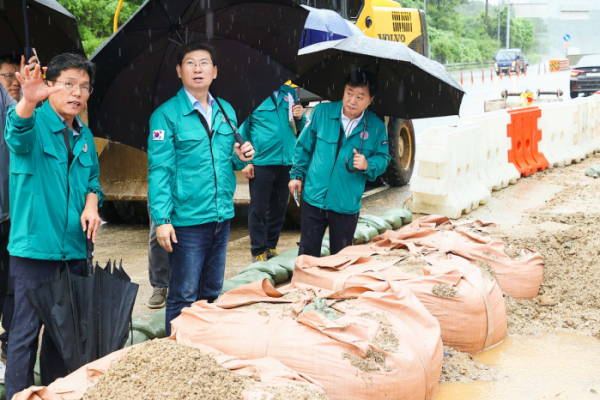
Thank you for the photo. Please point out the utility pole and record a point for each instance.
(508, 24)
(485, 21)
(425, 6)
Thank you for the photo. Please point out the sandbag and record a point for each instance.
(358, 238)
(244, 278)
(376, 222)
(286, 260)
(326, 243)
(152, 325)
(325, 251)
(520, 278)
(384, 345)
(396, 217)
(266, 371)
(366, 231)
(471, 321)
(278, 273)
(136, 337)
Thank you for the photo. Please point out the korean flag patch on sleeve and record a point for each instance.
(158, 135)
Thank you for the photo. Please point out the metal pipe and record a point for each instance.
(27, 43)
(508, 24)
(116, 21)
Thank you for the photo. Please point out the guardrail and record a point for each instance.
(482, 64)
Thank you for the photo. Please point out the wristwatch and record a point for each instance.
(299, 178)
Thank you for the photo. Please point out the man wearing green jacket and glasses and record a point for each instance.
(192, 155)
(272, 130)
(54, 200)
(344, 145)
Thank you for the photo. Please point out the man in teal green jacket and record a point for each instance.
(54, 200)
(272, 130)
(192, 155)
(344, 145)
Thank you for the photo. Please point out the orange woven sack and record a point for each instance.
(74, 386)
(473, 320)
(520, 278)
(348, 355)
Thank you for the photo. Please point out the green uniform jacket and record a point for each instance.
(46, 196)
(268, 129)
(191, 177)
(328, 185)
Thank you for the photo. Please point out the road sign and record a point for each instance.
(567, 37)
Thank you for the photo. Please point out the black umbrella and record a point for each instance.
(410, 85)
(87, 317)
(47, 26)
(256, 43)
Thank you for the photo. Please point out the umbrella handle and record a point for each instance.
(352, 171)
(89, 248)
(238, 138)
(26, 25)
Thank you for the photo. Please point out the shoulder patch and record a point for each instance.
(384, 142)
(158, 135)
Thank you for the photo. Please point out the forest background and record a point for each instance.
(457, 29)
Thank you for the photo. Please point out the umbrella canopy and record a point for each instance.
(87, 316)
(410, 85)
(52, 29)
(323, 25)
(256, 44)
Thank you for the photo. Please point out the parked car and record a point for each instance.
(585, 76)
(509, 60)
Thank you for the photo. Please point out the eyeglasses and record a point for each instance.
(10, 78)
(193, 64)
(69, 87)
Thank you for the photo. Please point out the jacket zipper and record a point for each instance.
(214, 169)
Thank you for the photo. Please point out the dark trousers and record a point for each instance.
(269, 196)
(7, 295)
(314, 223)
(27, 274)
(197, 266)
(158, 260)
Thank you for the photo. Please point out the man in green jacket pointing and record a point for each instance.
(272, 129)
(192, 155)
(344, 145)
(54, 200)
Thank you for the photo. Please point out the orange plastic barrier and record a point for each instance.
(525, 135)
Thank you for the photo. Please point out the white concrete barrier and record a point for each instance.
(447, 181)
(560, 138)
(585, 137)
(497, 172)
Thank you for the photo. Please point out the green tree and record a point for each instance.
(96, 18)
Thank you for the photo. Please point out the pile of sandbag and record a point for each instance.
(469, 307)
(358, 343)
(520, 278)
(163, 369)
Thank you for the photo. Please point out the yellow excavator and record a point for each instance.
(126, 186)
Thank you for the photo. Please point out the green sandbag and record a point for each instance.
(376, 222)
(358, 238)
(366, 231)
(277, 272)
(593, 171)
(37, 380)
(325, 252)
(245, 278)
(2, 392)
(152, 325)
(136, 337)
(326, 244)
(320, 306)
(286, 260)
(397, 217)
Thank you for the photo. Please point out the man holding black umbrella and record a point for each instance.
(54, 199)
(192, 155)
(344, 145)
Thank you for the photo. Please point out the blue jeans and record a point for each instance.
(197, 266)
(26, 275)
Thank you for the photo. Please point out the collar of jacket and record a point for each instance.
(187, 109)
(57, 126)
(337, 114)
(52, 118)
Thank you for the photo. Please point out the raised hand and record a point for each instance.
(33, 86)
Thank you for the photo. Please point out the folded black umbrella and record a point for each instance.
(256, 42)
(87, 317)
(410, 85)
(52, 29)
